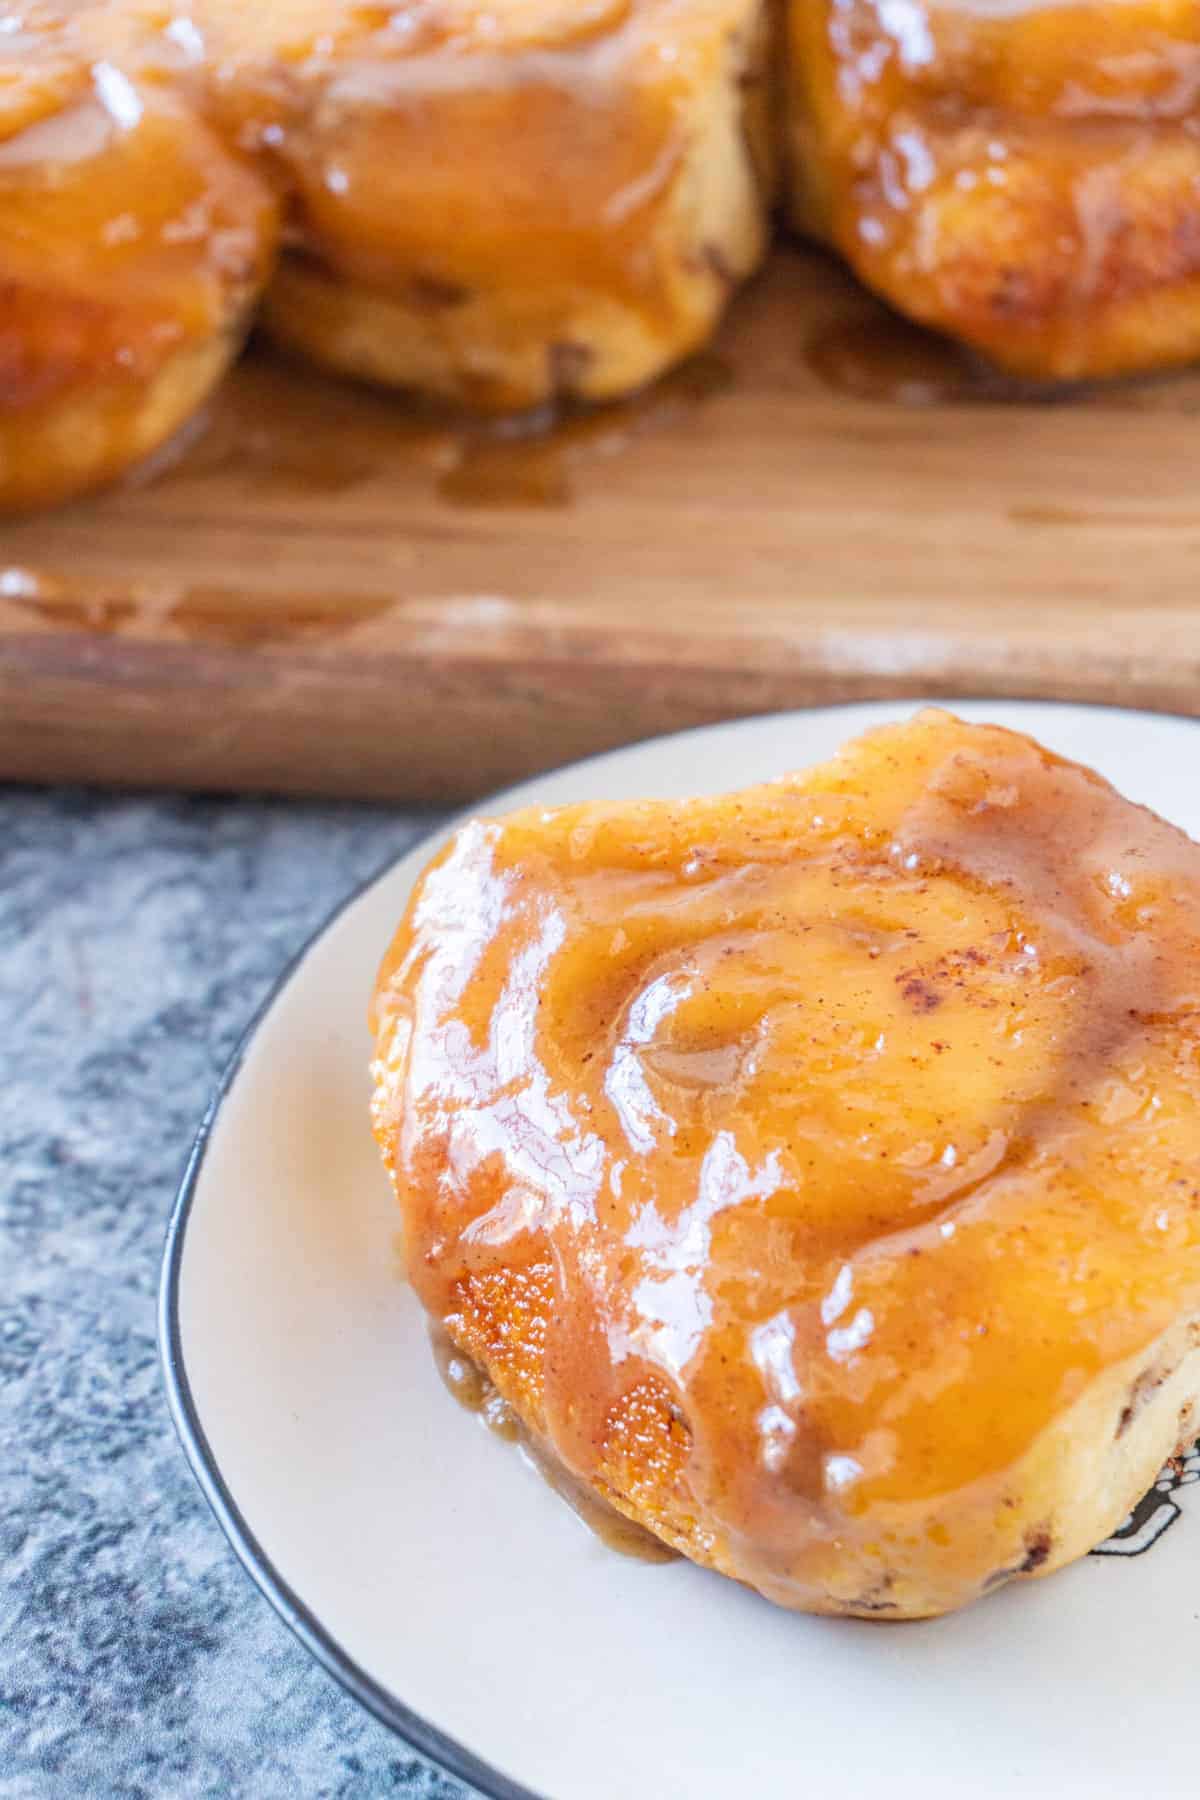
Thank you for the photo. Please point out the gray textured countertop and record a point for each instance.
(136, 939)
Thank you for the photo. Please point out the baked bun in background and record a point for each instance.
(507, 203)
(501, 205)
(1024, 178)
(134, 245)
(511, 204)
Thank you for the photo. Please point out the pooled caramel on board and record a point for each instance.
(801, 1162)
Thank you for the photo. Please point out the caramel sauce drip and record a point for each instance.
(858, 1109)
(473, 1391)
(530, 461)
(883, 358)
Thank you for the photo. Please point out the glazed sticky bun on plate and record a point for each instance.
(815, 1170)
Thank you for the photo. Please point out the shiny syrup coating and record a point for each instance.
(476, 1394)
(133, 242)
(855, 1114)
(1020, 173)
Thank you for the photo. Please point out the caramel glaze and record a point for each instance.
(133, 243)
(1022, 175)
(529, 461)
(882, 357)
(474, 1392)
(853, 1116)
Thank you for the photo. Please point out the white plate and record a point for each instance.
(436, 1576)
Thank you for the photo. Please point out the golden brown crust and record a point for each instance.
(132, 248)
(96, 431)
(1024, 179)
(487, 353)
(554, 214)
(1072, 1490)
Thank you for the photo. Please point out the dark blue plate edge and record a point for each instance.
(449, 1755)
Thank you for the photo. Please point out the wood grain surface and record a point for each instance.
(326, 591)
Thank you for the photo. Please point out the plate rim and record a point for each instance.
(444, 1751)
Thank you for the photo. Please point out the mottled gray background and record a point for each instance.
(136, 938)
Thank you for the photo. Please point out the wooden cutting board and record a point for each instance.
(326, 591)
